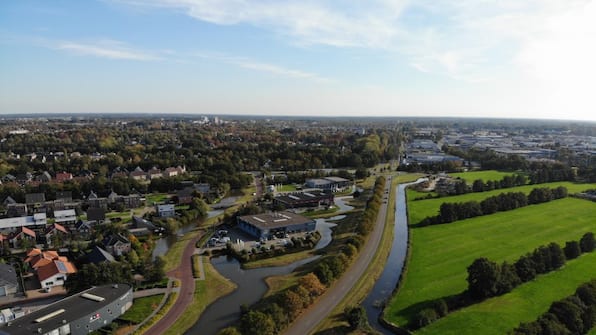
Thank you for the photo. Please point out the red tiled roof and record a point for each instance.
(54, 268)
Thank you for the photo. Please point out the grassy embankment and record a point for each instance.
(376, 267)
(441, 253)
(485, 175)
(141, 309)
(524, 304)
(206, 291)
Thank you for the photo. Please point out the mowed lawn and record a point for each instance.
(419, 209)
(525, 303)
(486, 175)
(441, 253)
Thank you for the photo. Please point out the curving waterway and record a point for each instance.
(387, 282)
(251, 286)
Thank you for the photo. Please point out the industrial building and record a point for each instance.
(263, 226)
(304, 199)
(78, 314)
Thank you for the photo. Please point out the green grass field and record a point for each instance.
(441, 253)
(486, 175)
(419, 209)
(524, 304)
(141, 309)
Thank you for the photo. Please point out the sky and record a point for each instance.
(466, 58)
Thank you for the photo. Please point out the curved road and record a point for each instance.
(186, 290)
(308, 321)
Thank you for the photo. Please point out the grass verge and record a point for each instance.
(171, 299)
(206, 291)
(141, 309)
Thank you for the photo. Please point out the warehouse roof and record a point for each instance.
(66, 310)
(275, 220)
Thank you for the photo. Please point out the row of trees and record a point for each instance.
(488, 279)
(369, 217)
(575, 314)
(450, 212)
(273, 315)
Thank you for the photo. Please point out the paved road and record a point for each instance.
(185, 295)
(308, 321)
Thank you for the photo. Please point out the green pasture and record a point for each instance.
(486, 175)
(419, 209)
(441, 253)
(524, 304)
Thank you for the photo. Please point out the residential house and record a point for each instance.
(142, 227)
(133, 200)
(22, 237)
(117, 244)
(35, 202)
(139, 174)
(63, 176)
(113, 197)
(37, 258)
(55, 273)
(185, 196)
(154, 173)
(97, 215)
(83, 229)
(99, 255)
(55, 232)
(170, 172)
(44, 177)
(65, 195)
(96, 202)
(165, 210)
(8, 178)
(65, 217)
(9, 282)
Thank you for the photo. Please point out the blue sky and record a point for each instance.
(508, 58)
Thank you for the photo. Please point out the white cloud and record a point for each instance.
(105, 49)
(468, 40)
(251, 64)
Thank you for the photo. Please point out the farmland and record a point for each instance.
(525, 303)
(419, 209)
(441, 253)
(485, 175)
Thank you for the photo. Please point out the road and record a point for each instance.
(309, 320)
(186, 290)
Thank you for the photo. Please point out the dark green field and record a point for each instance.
(441, 253)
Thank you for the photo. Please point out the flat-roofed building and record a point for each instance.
(304, 199)
(78, 314)
(269, 224)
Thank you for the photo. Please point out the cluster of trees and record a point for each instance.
(369, 217)
(295, 244)
(575, 314)
(488, 279)
(450, 212)
(279, 310)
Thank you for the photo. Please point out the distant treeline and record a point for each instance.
(450, 212)
(575, 314)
